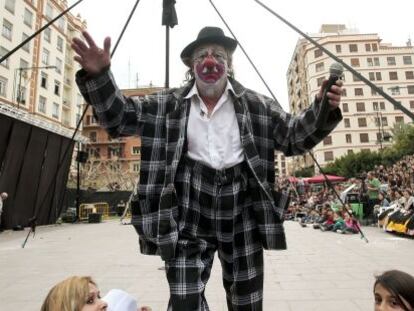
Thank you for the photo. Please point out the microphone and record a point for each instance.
(335, 73)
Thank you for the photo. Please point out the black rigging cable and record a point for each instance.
(314, 159)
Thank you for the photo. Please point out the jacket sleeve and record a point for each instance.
(297, 134)
(119, 115)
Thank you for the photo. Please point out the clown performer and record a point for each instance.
(207, 174)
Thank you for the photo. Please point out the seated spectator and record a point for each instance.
(394, 290)
(327, 225)
(80, 293)
(351, 225)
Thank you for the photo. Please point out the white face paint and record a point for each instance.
(210, 70)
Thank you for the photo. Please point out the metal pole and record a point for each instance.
(379, 128)
(78, 185)
(167, 57)
(19, 88)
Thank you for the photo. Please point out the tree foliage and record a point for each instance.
(354, 164)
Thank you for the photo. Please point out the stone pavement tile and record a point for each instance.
(334, 293)
(307, 285)
(329, 305)
(275, 305)
(365, 304)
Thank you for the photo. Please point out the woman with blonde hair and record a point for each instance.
(77, 293)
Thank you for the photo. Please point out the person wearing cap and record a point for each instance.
(207, 175)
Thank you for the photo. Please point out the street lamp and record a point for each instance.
(21, 69)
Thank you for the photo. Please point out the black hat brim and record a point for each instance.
(228, 43)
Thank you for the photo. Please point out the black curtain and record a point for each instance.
(33, 172)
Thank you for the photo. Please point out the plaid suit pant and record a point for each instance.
(215, 215)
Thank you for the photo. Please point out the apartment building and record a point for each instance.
(112, 159)
(38, 79)
(367, 117)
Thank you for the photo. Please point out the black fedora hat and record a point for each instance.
(208, 35)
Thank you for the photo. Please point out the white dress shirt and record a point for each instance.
(214, 140)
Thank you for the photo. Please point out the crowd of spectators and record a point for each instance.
(382, 197)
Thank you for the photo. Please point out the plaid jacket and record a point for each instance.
(161, 120)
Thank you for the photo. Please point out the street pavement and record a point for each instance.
(321, 271)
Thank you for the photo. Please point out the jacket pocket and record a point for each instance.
(281, 203)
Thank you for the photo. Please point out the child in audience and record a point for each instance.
(394, 290)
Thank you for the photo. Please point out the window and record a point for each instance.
(391, 61)
(61, 23)
(49, 11)
(410, 89)
(92, 137)
(374, 92)
(135, 167)
(21, 95)
(347, 123)
(338, 48)
(57, 88)
(3, 86)
(43, 80)
(328, 155)
(355, 78)
(319, 81)
(348, 138)
(355, 62)
(7, 30)
(362, 122)
(384, 121)
(47, 34)
(367, 47)
(393, 75)
(26, 47)
(55, 111)
(345, 107)
(350, 151)
(360, 106)
(319, 67)
(376, 61)
(375, 106)
(10, 5)
(135, 150)
(28, 17)
(374, 47)
(363, 137)
(343, 93)
(59, 65)
(379, 137)
(409, 75)
(327, 140)
(42, 104)
(407, 60)
(375, 76)
(399, 119)
(359, 91)
(411, 104)
(353, 48)
(59, 44)
(5, 63)
(318, 53)
(395, 90)
(370, 63)
(45, 57)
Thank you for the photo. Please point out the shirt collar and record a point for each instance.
(194, 90)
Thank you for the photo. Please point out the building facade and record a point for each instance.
(368, 117)
(112, 161)
(39, 79)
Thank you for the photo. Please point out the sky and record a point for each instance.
(268, 42)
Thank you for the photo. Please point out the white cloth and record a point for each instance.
(214, 140)
(118, 300)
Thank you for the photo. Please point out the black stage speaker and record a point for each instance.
(352, 198)
(94, 218)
